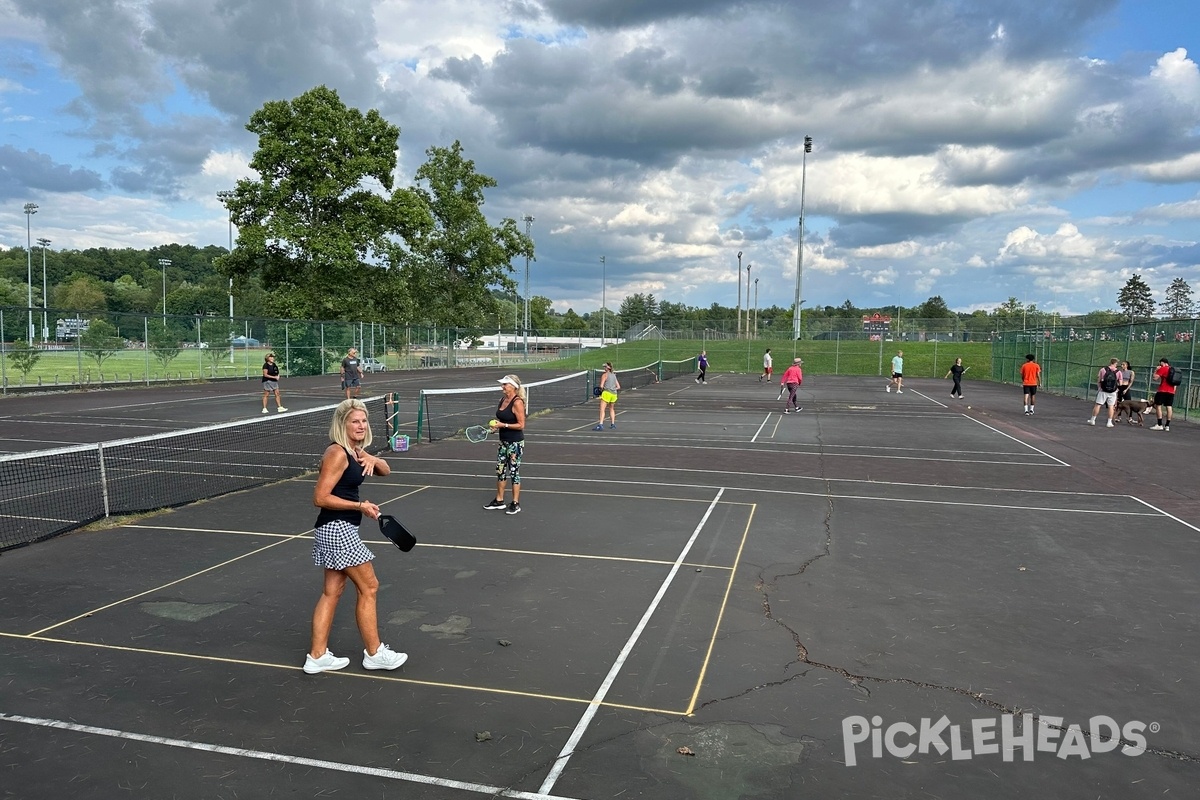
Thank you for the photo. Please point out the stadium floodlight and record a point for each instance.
(603, 296)
(528, 223)
(738, 280)
(30, 210)
(164, 263)
(45, 330)
(800, 240)
(225, 196)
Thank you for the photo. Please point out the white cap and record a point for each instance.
(509, 381)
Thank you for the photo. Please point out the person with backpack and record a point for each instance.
(1107, 382)
(1164, 398)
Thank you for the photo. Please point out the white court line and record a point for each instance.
(568, 750)
(300, 761)
(1018, 441)
(754, 438)
(1166, 514)
(820, 450)
(825, 494)
(490, 472)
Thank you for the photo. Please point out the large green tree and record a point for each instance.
(1135, 299)
(453, 256)
(315, 224)
(1178, 304)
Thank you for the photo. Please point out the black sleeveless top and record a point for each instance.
(506, 415)
(347, 489)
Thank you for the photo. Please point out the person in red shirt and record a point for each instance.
(791, 379)
(1164, 397)
(1031, 379)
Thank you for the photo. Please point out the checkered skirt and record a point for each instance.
(337, 545)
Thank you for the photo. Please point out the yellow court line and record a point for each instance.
(159, 588)
(712, 642)
(337, 674)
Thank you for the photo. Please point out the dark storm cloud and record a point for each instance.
(239, 55)
(734, 81)
(25, 170)
(463, 71)
(626, 13)
(652, 70)
(881, 229)
(99, 46)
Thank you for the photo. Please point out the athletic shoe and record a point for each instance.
(265, 410)
(1028, 413)
(899, 391)
(612, 425)
(697, 380)
(384, 658)
(323, 664)
(888, 388)
(1109, 425)
(281, 409)
(1092, 421)
(1166, 428)
(494, 505)
(1157, 428)
(787, 411)
(798, 409)
(599, 427)
(705, 383)
(513, 508)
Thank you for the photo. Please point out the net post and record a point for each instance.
(421, 415)
(103, 478)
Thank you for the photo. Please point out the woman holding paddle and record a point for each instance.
(337, 546)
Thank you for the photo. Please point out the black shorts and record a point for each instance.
(1029, 390)
(1165, 399)
(896, 375)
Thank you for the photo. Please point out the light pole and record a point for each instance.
(45, 330)
(739, 305)
(756, 308)
(748, 268)
(603, 296)
(225, 196)
(164, 263)
(528, 224)
(800, 243)
(30, 210)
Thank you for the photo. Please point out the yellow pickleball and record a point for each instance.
(493, 423)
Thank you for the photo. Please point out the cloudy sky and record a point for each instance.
(977, 150)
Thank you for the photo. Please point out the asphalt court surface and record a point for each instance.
(710, 575)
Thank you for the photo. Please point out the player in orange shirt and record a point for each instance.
(1031, 378)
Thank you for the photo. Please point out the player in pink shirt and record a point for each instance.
(791, 379)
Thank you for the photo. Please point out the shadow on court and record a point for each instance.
(860, 600)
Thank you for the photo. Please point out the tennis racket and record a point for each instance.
(478, 433)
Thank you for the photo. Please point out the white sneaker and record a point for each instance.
(1156, 428)
(1092, 421)
(1109, 425)
(265, 410)
(281, 409)
(888, 387)
(899, 391)
(323, 664)
(384, 658)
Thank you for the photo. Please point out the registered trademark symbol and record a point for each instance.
(1155, 727)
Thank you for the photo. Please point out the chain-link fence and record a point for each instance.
(1071, 357)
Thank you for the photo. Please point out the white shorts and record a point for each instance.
(1106, 398)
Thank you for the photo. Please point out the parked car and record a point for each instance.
(373, 365)
(242, 341)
